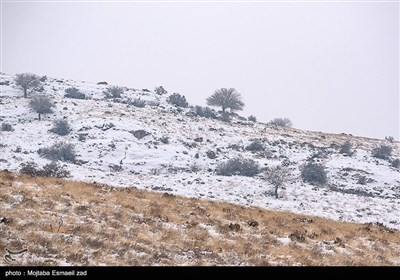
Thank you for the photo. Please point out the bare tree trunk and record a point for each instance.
(276, 192)
(25, 92)
(39, 117)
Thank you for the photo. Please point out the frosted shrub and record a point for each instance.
(382, 152)
(238, 166)
(73, 92)
(59, 151)
(178, 100)
(61, 127)
(314, 174)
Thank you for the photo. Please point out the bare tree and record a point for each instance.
(41, 105)
(226, 98)
(277, 176)
(27, 81)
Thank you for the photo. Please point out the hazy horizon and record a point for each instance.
(331, 67)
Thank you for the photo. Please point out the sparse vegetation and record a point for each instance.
(238, 166)
(73, 92)
(59, 151)
(133, 225)
(41, 105)
(61, 127)
(178, 100)
(113, 92)
(314, 173)
(6, 127)
(226, 99)
(27, 81)
(282, 122)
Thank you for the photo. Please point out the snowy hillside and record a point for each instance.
(111, 151)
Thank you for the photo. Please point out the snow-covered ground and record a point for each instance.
(182, 166)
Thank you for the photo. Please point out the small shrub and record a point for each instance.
(164, 140)
(29, 168)
(238, 166)
(390, 139)
(160, 90)
(114, 92)
(283, 122)
(225, 117)
(6, 127)
(362, 180)
(73, 92)
(211, 154)
(314, 174)
(61, 127)
(252, 118)
(205, 112)
(137, 102)
(396, 163)
(54, 170)
(346, 148)
(382, 152)
(178, 100)
(59, 151)
(255, 146)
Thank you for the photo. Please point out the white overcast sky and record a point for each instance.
(331, 67)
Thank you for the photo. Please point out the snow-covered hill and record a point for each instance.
(112, 154)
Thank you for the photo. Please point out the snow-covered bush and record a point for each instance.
(178, 100)
(255, 146)
(114, 92)
(29, 168)
(284, 122)
(160, 90)
(362, 180)
(382, 152)
(49, 170)
(314, 173)
(252, 118)
(164, 140)
(206, 112)
(73, 92)
(61, 127)
(396, 163)
(54, 169)
(6, 127)
(59, 151)
(346, 148)
(238, 166)
(225, 117)
(137, 102)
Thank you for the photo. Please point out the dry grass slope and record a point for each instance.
(66, 222)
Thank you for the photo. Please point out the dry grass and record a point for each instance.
(87, 224)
